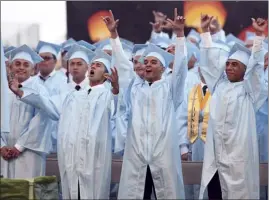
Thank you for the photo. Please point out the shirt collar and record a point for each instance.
(96, 87)
(50, 75)
(83, 84)
(26, 82)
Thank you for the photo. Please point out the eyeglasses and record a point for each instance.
(46, 58)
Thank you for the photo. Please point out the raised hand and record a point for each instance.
(156, 27)
(13, 82)
(178, 24)
(205, 22)
(110, 22)
(114, 80)
(214, 26)
(259, 25)
(159, 16)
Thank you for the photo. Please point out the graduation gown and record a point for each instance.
(231, 144)
(84, 139)
(26, 133)
(5, 112)
(152, 138)
(55, 84)
(262, 122)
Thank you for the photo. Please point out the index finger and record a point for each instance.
(175, 13)
(116, 71)
(112, 16)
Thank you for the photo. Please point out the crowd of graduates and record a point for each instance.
(200, 97)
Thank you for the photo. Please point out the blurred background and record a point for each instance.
(27, 22)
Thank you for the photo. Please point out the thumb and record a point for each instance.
(151, 23)
(253, 20)
(16, 77)
(117, 22)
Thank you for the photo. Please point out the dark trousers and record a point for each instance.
(149, 185)
(78, 192)
(214, 189)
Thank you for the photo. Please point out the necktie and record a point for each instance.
(89, 91)
(43, 79)
(77, 87)
(150, 84)
(20, 86)
(204, 89)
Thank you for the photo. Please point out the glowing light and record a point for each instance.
(96, 27)
(192, 12)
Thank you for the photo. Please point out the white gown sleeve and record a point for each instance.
(155, 35)
(212, 61)
(182, 124)
(122, 119)
(39, 98)
(219, 36)
(179, 74)
(122, 63)
(254, 80)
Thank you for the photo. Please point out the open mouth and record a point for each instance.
(148, 70)
(91, 72)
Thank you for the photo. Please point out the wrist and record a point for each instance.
(19, 93)
(180, 33)
(258, 33)
(115, 90)
(114, 34)
(205, 30)
(157, 31)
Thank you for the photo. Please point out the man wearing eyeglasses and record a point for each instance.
(54, 81)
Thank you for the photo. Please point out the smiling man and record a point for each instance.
(235, 79)
(85, 115)
(151, 111)
(26, 146)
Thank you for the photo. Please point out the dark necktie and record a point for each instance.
(77, 87)
(42, 78)
(20, 86)
(89, 91)
(150, 84)
(204, 89)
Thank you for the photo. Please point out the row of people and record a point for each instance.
(152, 108)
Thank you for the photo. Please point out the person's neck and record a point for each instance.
(78, 80)
(95, 83)
(45, 74)
(153, 80)
(22, 80)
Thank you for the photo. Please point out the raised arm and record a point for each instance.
(213, 57)
(180, 67)
(158, 25)
(216, 32)
(254, 81)
(37, 96)
(122, 63)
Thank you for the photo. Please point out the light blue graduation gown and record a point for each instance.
(27, 125)
(56, 84)
(5, 112)
(231, 144)
(262, 123)
(84, 139)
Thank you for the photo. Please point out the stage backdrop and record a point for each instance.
(84, 20)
